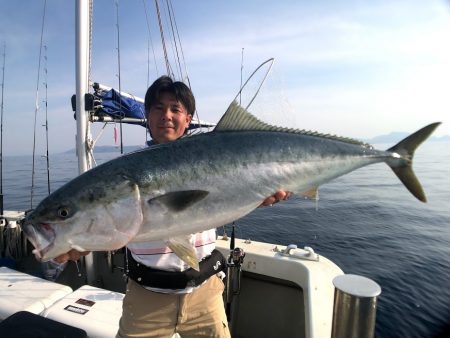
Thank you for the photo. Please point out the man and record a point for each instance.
(159, 301)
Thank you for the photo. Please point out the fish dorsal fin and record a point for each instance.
(237, 118)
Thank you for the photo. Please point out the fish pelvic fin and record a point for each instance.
(182, 247)
(402, 165)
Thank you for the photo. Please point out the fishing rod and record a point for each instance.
(118, 64)
(234, 269)
(46, 119)
(269, 63)
(37, 106)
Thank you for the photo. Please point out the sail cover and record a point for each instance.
(112, 105)
(119, 106)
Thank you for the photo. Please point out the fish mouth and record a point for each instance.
(41, 237)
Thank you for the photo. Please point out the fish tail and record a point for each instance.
(401, 162)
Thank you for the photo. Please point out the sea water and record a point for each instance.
(366, 222)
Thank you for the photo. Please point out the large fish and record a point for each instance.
(200, 182)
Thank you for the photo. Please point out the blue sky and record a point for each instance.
(351, 68)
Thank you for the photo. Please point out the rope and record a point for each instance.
(37, 108)
(11, 234)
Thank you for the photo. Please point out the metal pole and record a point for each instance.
(355, 305)
(81, 74)
(82, 29)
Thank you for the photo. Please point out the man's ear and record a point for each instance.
(188, 120)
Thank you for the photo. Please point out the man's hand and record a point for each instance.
(275, 198)
(72, 255)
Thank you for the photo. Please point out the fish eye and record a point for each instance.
(63, 212)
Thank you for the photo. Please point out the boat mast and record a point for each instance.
(82, 58)
(82, 29)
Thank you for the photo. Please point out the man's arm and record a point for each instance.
(72, 255)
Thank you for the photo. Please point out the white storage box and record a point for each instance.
(22, 292)
(97, 311)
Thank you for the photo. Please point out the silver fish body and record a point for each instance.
(197, 183)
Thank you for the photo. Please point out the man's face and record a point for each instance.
(167, 119)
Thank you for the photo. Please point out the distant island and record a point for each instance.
(397, 136)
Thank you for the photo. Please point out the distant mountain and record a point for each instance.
(396, 136)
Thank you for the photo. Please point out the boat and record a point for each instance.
(273, 289)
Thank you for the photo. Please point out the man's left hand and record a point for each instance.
(275, 198)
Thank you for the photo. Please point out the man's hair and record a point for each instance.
(165, 84)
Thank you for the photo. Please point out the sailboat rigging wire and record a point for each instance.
(37, 107)
(175, 45)
(181, 46)
(46, 120)
(150, 42)
(166, 58)
(1, 137)
(118, 75)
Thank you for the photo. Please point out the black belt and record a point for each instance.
(162, 279)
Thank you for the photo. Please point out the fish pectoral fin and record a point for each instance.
(184, 250)
(179, 200)
(78, 248)
(311, 194)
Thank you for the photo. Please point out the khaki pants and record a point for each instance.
(152, 314)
